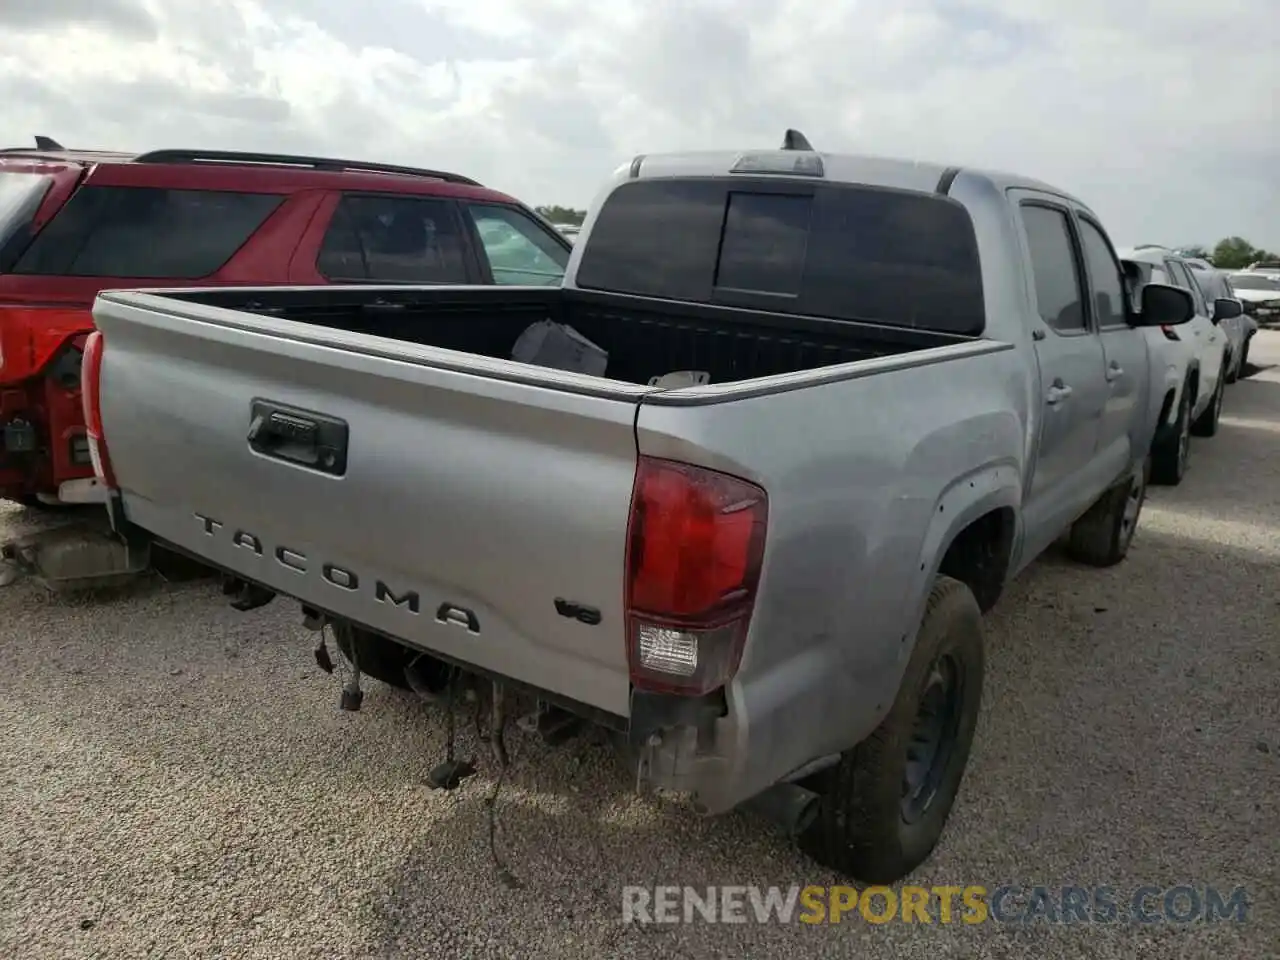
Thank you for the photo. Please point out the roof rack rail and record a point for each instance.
(65, 155)
(289, 160)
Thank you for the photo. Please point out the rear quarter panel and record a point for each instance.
(868, 481)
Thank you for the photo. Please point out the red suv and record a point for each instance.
(75, 222)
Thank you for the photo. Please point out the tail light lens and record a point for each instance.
(695, 548)
(90, 384)
(1170, 333)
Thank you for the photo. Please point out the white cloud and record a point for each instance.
(1162, 116)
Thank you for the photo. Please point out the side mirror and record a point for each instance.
(1225, 309)
(1164, 305)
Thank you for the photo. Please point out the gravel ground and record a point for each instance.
(176, 781)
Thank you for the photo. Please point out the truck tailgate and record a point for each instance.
(466, 507)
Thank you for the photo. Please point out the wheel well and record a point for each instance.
(1193, 384)
(1165, 409)
(979, 556)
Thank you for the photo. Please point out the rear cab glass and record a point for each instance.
(146, 232)
(845, 252)
(21, 194)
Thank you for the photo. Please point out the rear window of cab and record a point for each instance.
(856, 253)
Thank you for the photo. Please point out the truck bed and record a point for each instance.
(643, 338)
(322, 444)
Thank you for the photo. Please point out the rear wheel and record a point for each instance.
(1206, 424)
(1244, 358)
(884, 805)
(1101, 538)
(1170, 452)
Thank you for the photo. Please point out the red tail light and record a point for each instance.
(695, 548)
(90, 384)
(1170, 333)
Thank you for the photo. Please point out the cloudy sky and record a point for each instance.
(1164, 116)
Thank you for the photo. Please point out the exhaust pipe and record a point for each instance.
(791, 807)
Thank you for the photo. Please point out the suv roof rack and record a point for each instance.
(65, 155)
(290, 160)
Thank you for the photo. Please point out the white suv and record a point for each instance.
(1195, 361)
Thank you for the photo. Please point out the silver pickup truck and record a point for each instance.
(819, 410)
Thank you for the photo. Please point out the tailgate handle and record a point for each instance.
(304, 437)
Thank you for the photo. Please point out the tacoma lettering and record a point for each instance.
(298, 562)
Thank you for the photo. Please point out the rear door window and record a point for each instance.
(519, 251)
(1054, 268)
(384, 239)
(845, 252)
(146, 232)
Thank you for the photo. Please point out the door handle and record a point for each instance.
(1114, 372)
(1057, 393)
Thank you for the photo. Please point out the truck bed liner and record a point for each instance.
(644, 338)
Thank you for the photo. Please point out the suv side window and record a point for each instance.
(520, 252)
(1054, 268)
(1104, 275)
(146, 232)
(1182, 278)
(393, 240)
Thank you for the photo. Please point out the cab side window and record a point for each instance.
(1104, 276)
(1053, 266)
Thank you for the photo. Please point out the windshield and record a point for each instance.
(1245, 281)
(20, 197)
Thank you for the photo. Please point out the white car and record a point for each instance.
(568, 230)
(1195, 359)
(1260, 294)
(1270, 267)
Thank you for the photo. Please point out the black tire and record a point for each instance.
(1206, 425)
(1244, 358)
(1172, 448)
(882, 809)
(1231, 372)
(379, 657)
(1101, 538)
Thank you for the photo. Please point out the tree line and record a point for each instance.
(565, 215)
(1231, 253)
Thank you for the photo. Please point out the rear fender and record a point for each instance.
(992, 487)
